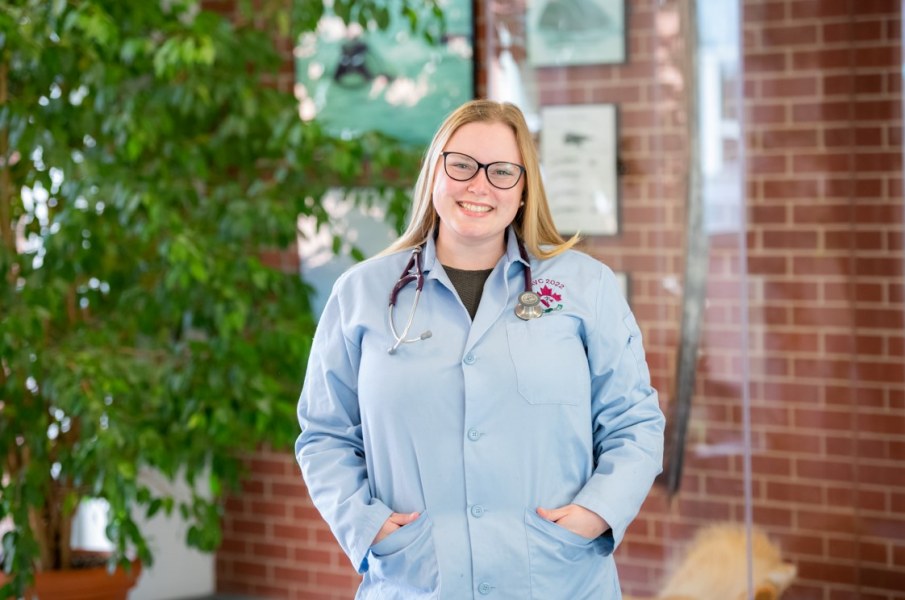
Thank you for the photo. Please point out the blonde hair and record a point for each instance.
(533, 223)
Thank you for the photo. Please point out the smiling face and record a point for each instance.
(474, 214)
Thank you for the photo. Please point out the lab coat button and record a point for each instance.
(477, 511)
(485, 588)
(474, 435)
(470, 359)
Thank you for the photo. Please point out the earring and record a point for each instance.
(522, 203)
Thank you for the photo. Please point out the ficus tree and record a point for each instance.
(146, 162)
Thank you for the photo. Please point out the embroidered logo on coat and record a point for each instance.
(549, 297)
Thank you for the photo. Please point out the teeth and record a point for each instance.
(474, 207)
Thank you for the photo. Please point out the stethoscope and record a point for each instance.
(528, 306)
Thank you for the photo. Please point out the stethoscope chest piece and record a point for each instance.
(528, 306)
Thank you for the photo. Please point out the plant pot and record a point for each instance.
(94, 583)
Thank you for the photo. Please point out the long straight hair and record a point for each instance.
(533, 223)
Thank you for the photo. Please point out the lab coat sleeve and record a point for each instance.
(626, 417)
(330, 450)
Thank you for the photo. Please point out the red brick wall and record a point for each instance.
(808, 304)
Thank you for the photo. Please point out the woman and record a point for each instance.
(458, 449)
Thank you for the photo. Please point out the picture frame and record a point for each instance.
(355, 79)
(579, 159)
(563, 33)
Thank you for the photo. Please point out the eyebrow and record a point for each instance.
(512, 162)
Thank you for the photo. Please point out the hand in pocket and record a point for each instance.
(576, 519)
(394, 522)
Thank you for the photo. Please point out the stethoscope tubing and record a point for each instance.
(528, 306)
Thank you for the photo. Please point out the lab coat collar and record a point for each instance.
(511, 255)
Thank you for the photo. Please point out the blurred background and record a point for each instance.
(738, 162)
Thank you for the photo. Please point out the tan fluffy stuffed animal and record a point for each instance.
(716, 567)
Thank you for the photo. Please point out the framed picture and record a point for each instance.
(579, 161)
(355, 79)
(575, 32)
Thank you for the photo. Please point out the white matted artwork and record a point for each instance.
(579, 161)
(575, 32)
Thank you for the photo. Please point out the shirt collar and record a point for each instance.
(511, 255)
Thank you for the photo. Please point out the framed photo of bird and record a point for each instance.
(562, 33)
(382, 76)
(579, 158)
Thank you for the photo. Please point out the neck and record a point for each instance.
(470, 257)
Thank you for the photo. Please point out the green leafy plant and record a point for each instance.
(147, 163)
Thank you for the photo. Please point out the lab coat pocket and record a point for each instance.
(564, 564)
(550, 362)
(405, 561)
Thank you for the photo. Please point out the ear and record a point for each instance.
(782, 575)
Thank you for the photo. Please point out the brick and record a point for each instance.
(767, 164)
(848, 446)
(790, 35)
(768, 516)
(790, 342)
(851, 240)
(847, 32)
(845, 396)
(885, 578)
(822, 162)
(764, 114)
(807, 9)
(870, 162)
(824, 470)
(271, 509)
(851, 344)
(771, 465)
(879, 318)
(848, 83)
(295, 575)
(763, 12)
(765, 62)
(811, 265)
(862, 137)
(802, 393)
(789, 138)
(789, 87)
(826, 111)
(860, 188)
(270, 550)
(877, 56)
(858, 550)
(248, 569)
(797, 493)
(890, 527)
(879, 423)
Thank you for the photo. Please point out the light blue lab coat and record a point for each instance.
(476, 427)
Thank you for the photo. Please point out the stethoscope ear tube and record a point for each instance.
(528, 307)
(401, 339)
(414, 264)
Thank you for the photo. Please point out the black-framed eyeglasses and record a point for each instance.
(501, 175)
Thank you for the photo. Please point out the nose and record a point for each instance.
(479, 181)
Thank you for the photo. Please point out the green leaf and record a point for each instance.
(142, 329)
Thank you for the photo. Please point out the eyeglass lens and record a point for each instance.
(461, 167)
